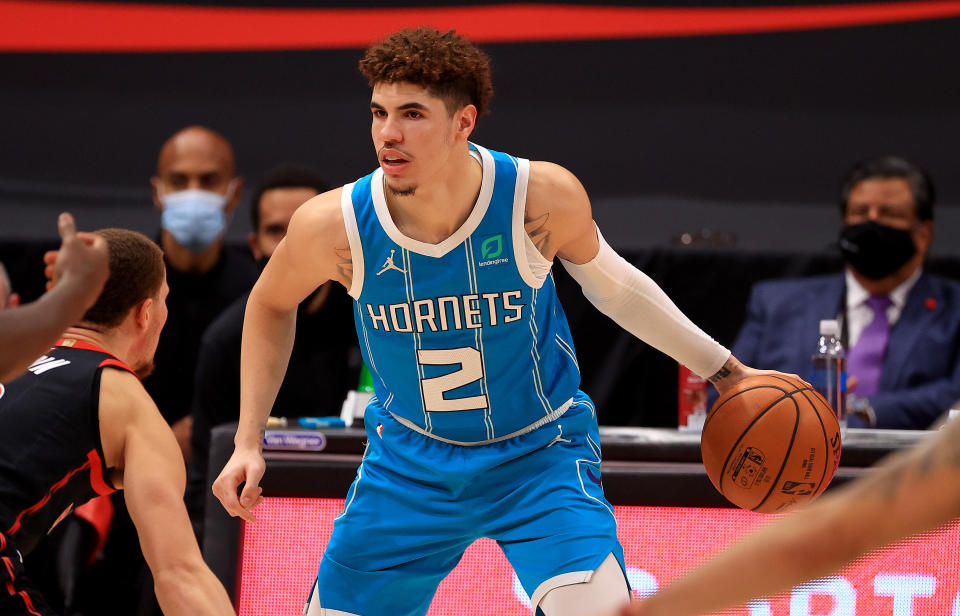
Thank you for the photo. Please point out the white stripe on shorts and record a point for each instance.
(313, 608)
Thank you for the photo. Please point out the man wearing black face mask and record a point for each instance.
(319, 373)
(900, 325)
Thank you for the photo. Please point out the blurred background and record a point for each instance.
(711, 136)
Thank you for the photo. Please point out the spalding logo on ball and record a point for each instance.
(770, 442)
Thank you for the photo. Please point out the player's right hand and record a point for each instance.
(82, 262)
(245, 466)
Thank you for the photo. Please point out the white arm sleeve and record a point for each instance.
(638, 305)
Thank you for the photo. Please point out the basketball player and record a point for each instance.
(477, 427)
(911, 492)
(79, 424)
(80, 269)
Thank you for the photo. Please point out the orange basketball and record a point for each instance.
(770, 442)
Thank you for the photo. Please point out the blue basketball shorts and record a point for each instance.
(417, 503)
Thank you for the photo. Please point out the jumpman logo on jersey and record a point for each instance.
(389, 265)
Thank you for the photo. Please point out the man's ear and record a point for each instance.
(923, 236)
(254, 246)
(155, 192)
(142, 313)
(13, 300)
(235, 193)
(466, 121)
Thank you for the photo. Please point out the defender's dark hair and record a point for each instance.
(136, 273)
(445, 63)
(885, 167)
(286, 175)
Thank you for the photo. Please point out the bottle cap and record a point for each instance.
(829, 327)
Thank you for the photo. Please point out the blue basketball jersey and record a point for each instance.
(466, 339)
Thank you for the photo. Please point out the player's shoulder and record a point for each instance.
(320, 208)
(122, 392)
(553, 188)
(320, 217)
(552, 179)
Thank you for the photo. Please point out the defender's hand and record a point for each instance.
(245, 466)
(82, 262)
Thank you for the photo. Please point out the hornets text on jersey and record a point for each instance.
(466, 339)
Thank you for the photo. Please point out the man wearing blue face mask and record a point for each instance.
(196, 190)
(900, 325)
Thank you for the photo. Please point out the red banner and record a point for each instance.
(42, 26)
(916, 577)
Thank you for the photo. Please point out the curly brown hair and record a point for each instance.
(445, 63)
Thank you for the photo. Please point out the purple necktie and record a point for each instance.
(865, 360)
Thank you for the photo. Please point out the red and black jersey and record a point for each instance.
(51, 457)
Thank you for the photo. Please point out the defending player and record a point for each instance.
(80, 268)
(477, 427)
(79, 424)
(913, 491)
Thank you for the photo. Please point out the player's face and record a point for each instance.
(158, 317)
(413, 133)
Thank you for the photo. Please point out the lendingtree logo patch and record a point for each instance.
(492, 247)
(491, 251)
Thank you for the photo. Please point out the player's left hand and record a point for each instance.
(737, 371)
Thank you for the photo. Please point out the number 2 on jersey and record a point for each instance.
(435, 388)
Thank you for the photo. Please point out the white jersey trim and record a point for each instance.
(469, 226)
(531, 265)
(353, 237)
(530, 428)
(313, 607)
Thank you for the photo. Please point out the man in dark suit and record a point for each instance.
(899, 324)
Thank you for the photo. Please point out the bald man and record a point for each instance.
(196, 189)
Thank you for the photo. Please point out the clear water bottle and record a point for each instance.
(829, 370)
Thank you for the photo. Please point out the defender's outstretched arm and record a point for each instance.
(76, 273)
(137, 439)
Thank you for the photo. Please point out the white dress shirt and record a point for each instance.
(859, 314)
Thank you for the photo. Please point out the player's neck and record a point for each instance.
(441, 204)
(108, 339)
